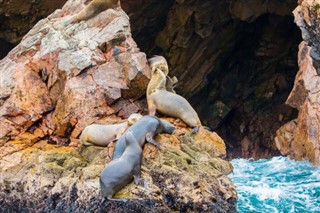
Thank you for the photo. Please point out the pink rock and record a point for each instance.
(57, 80)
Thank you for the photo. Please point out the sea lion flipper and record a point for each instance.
(151, 107)
(149, 138)
(138, 180)
(114, 140)
(195, 130)
(207, 128)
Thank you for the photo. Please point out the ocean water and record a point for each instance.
(276, 185)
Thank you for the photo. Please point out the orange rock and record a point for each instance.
(211, 142)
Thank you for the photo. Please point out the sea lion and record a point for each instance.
(173, 105)
(102, 135)
(168, 103)
(93, 8)
(144, 130)
(120, 172)
(159, 62)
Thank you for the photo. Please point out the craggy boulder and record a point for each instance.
(185, 175)
(303, 136)
(61, 78)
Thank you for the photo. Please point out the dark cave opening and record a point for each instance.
(244, 94)
(244, 100)
(5, 48)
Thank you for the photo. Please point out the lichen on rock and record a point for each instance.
(178, 177)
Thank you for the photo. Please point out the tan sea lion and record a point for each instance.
(173, 105)
(144, 130)
(93, 8)
(120, 172)
(168, 103)
(102, 135)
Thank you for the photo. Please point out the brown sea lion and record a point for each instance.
(93, 8)
(120, 172)
(102, 135)
(144, 130)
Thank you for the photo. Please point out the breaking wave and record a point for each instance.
(276, 185)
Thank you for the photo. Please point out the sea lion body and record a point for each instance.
(167, 102)
(173, 105)
(143, 130)
(102, 135)
(93, 8)
(120, 172)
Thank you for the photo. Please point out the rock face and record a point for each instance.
(62, 77)
(300, 139)
(235, 61)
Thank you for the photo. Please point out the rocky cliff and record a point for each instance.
(300, 138)
(235, 60)
(62, 77)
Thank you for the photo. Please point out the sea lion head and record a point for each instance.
(167, 127)
(134, 118)
(158, 62)
(106, 190)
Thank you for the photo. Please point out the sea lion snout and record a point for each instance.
(158, 62)
(167, 127)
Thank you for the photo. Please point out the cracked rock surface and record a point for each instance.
(61, 78)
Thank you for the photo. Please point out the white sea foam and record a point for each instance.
(277, 185)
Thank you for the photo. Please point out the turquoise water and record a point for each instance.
(276, 185)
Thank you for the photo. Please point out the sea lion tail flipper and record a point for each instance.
(149, 138)
(195, 130)
(207, 128)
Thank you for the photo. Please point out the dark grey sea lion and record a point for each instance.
(144, 130)
(120, 172)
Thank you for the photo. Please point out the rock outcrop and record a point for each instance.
(187, 174)
(61, 78)
(300, 139)
(235, 61)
